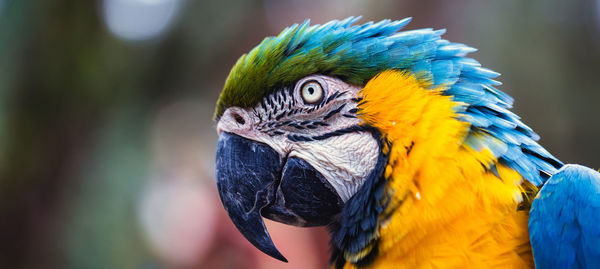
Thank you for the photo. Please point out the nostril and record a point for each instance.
(239, 119)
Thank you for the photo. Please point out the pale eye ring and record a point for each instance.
(311, 92)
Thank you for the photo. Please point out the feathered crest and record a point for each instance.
(354, 53)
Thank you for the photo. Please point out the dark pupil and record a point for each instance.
(311, 90)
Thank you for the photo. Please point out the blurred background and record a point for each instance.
(107, 142)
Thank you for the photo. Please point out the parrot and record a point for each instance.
(403, 147)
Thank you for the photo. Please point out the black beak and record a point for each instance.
(255, 181)
(247, 172)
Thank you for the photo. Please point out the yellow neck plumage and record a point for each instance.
(447, 208)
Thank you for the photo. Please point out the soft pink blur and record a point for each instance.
(181, 214)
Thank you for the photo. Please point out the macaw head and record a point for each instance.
(296, 144)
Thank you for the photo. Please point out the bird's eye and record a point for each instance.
(312, 92)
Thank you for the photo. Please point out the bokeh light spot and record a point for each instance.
(139, 20)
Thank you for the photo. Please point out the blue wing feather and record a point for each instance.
(564, 221)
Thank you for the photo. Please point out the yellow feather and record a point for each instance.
(447, 209)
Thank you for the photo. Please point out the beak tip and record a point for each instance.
(277, 255)
(265, 244)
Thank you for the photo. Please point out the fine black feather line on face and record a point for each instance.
(333, 112)
(351, 129)
(320, 123)
(335, 96)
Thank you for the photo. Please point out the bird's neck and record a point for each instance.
(448, 204)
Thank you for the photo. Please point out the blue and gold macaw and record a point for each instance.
(403, 147)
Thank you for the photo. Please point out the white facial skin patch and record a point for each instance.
(316, 132)
(345, 161)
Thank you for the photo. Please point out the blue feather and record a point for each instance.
(447, 49)
(564, 220)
